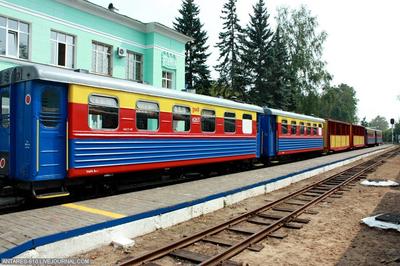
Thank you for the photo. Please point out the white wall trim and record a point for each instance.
(83, 28)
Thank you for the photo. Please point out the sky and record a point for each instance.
(362, 48)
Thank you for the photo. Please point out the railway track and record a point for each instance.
(247, 230)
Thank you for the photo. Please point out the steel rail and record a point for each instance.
(165, 250)
(263, 233)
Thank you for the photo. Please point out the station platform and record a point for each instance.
(70, 229)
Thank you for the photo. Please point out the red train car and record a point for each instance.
(357, 139)
(337, 135)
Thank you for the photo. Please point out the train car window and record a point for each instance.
(320, 129)
(147, 115)
(5, 108)
(229, 122)
(50, 108)
(103, 112)
(208, 120)
(284, 127)
(302, 129)
(247, 124)
(308, 129)
(293, 128)
(315, 130)
(180, 118)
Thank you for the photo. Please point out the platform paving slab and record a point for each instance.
(17, 228)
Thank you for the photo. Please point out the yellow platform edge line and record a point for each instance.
(93, 210)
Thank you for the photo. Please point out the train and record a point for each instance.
(60, 126)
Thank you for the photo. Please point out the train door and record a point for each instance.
(4, 130)
(51, 113)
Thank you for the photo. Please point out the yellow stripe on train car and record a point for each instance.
(305, 121)
(80, 94)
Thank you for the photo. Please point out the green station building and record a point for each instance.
(78, 34)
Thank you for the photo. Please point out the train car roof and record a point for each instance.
(48, 73)
(338, 121)
(272, 111)
(369, 128)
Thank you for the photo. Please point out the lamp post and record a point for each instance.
(392, 123)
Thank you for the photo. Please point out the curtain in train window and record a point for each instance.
(308, 128)
(229, 122)
(284, 127)
(208, 120)
(302, 128)
(147, 116)
(180, 118)
(293, 127)
(50, 109)
(103, 112)
(247, 124)
(315, 130)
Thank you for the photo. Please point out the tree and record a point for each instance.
(339, 103)
(256, 58)
(278, 74)
(379, 122)
(230, 67)
(197, 74)
(364, 122)
(305, 49)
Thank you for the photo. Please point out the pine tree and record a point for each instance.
(256, 54)
(197, 74)
(230, 68)
(278, 74)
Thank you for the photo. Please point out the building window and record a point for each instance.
(167, 79)
(62, 49)
(293, 127)
(101, 58)
(208, 120)
(103, 112)
(247, 124)
(284, 127)
(229, 122)
(147, 116)
(14, 38)
(135, 67)
(180, 118)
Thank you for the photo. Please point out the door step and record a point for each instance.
(50, 195)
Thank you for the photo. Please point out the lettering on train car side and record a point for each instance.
(127, 129)
(195, 120)
(92, 171)
(195, 109)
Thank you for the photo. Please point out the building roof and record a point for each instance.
(100, 11)
(49, 73)
(272, 111)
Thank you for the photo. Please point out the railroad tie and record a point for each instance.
(250, 231)
(284, 209)
(197, 257)
(261, 221)
(224, 242)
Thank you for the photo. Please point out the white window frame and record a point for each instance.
(131, 66)
(18, 32)
(56, 41)
(166, 79)
(108, 54)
